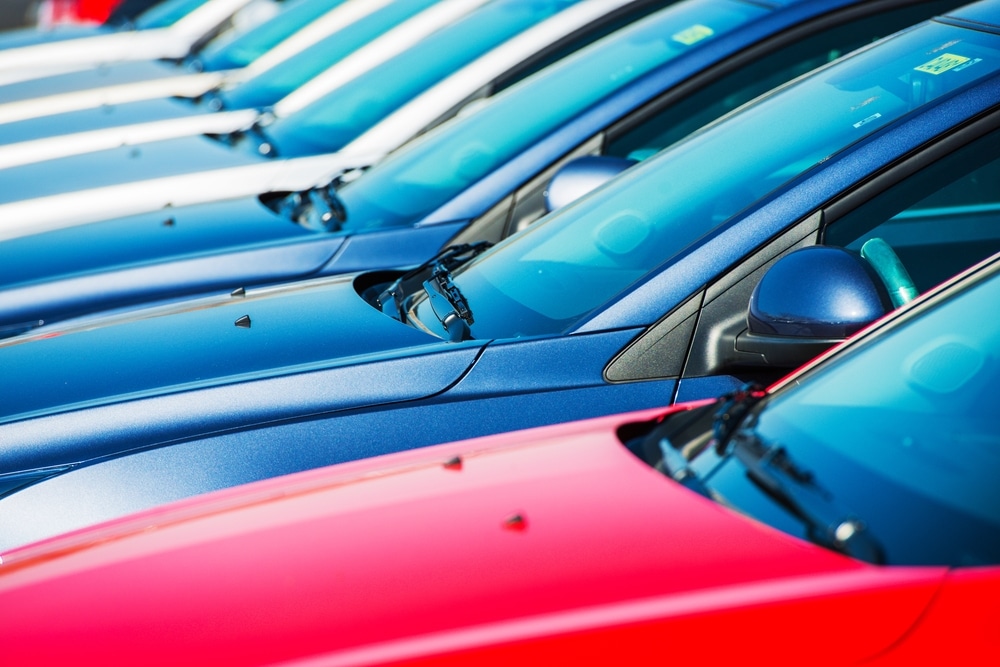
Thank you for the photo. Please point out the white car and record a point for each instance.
(310, 139)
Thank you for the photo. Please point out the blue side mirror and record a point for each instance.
(808, 301)
(578, 177)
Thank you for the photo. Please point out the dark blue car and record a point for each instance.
(634, 296)
(481, 177)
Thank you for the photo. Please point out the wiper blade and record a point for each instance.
(391, 300)
(827, 522)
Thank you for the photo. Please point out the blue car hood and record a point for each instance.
(210, 342)
(121, 165)
(99, 118)
(110, 74)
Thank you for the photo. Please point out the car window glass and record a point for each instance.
(334, 120)
(761, 75)
(900, 426)
(427, 174)
(270, 86)
(939, 221)
(576, 259)
(234, 50)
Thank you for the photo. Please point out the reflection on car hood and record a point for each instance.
(121, 165)
(547, 531)
(196, 344)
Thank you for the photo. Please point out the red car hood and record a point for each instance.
(549, 531)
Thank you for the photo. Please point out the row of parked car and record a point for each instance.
(473, 331)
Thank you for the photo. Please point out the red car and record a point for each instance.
(51, 12)
(848, 515)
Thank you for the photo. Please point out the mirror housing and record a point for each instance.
(808, 301)
(578, 177)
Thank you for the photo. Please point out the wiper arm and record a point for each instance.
(449, 304)
(318, 208)
(734, 409)
(827, 523)
(390, 300)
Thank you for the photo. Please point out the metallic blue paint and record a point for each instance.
(244, 222)
(817, 292)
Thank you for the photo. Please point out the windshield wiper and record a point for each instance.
(319, 208)
(449, 304)
(732, 412)
(391, 300)
(827, 523)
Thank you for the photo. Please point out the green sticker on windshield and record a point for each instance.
(693, 35)
(942, 63)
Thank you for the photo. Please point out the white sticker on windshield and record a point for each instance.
(874, 116)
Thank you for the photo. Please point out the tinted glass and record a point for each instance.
(938, 221)
(900, 431)
(240, 50)
(572, 262)
(760, 75)
(331, 122)
(270, 86)
(417, 180)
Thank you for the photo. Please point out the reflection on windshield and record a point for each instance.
(900, 429)
(419, 179)
(270, 86)
(552, 274)
(330, 123)
(239, 50)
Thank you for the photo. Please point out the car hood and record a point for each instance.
(496, 540)
(219, 174)
(124, 164)
(97, 77)
(205, 343)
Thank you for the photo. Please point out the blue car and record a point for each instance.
(634, 296)
(171, 29)
(32, 110)
(481, 177)
(225, 53)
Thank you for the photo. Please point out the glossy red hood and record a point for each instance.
(552, 530)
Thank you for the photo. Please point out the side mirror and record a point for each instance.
(578, 177)
(808, 301)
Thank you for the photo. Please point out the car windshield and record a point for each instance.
(167, 13)
(331, 122)
(546, 278)
(899, 430)
(271, 85)
(239, 50)
(420, 178)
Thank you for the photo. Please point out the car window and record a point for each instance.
(573, 261)
(940, 220)
(271, 85)
(234, 50)
(334, 120)
(760, 75)
(427, 174)
(901, 425)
